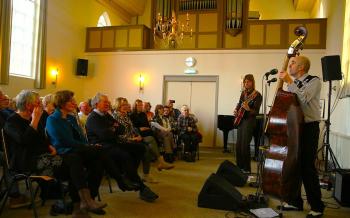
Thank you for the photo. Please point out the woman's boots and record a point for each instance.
(89, 204)
(164, 165)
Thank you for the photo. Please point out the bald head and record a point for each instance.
(304, 62)
(298, 66)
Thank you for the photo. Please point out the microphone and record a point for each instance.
(272, 81)
(271, 72)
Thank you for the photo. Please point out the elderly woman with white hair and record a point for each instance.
(188, 133)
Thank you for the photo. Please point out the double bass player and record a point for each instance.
(307, 89)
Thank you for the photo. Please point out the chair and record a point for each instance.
(181, 147)
(108, 178)
(16, 177)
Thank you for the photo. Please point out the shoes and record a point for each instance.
(314, 214)
(190, 156)
(169, 157)
(126, 184)
(148, 178)
(20, 201)
(148, 195)
(288, 207)
(165, 166)
(98, 211)
(193, 156)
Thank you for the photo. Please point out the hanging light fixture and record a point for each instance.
(170, 30)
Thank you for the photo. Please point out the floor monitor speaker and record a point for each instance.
(341, 188)
(331, 69)
(232, 173)
(218, 193)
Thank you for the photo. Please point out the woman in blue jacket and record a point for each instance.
(81, 161)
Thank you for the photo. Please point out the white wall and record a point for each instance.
(66, 30)
(116, 73)
(277, 9)
(340, 117)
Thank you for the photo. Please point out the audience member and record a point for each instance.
(174, 112)
(70, 142)
(139, 120)
(103, 129)
(163, 130)
(16, 199)
(133, 138)
(147, 109)
(84, 111)
(188, 133)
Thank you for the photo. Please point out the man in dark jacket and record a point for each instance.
(101, 128)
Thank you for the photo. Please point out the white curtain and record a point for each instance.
(40, 64)
(5, 40)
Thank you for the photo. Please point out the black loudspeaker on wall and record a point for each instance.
(82, 67)
(218, 193)
(232, 173)
(331, 69)
(341, 188)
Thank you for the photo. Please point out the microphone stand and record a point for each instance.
(259, 197)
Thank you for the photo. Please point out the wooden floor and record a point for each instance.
(178, 190)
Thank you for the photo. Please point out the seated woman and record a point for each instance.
(188, 133)
(31, 152)
(139, 120)
(163, 131)
(131, 138)
(70, 142)
(48, 108)
(147, 109)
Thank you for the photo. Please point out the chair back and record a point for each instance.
(4, 147)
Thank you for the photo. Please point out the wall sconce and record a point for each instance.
(54, 74)
(141, 83)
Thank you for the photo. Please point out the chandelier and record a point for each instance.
(171, 31)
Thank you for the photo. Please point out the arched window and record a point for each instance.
(104, 20)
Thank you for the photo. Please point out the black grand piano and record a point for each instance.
(225, 124)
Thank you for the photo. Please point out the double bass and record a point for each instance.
(281, 167)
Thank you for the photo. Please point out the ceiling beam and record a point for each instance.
(121, 12)
(134, 7)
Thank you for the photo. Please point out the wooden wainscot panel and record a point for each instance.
(273, 34)
(188, 42)
(207, 41)
(256, 34)
(113, 38)
(121, 38)
(279, 34)
(233, 41)
(316, 32)
(135, 38)
(192, 23)
(93, 39)
(208, 22)
(108, 38)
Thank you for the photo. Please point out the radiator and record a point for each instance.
(340, 144)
